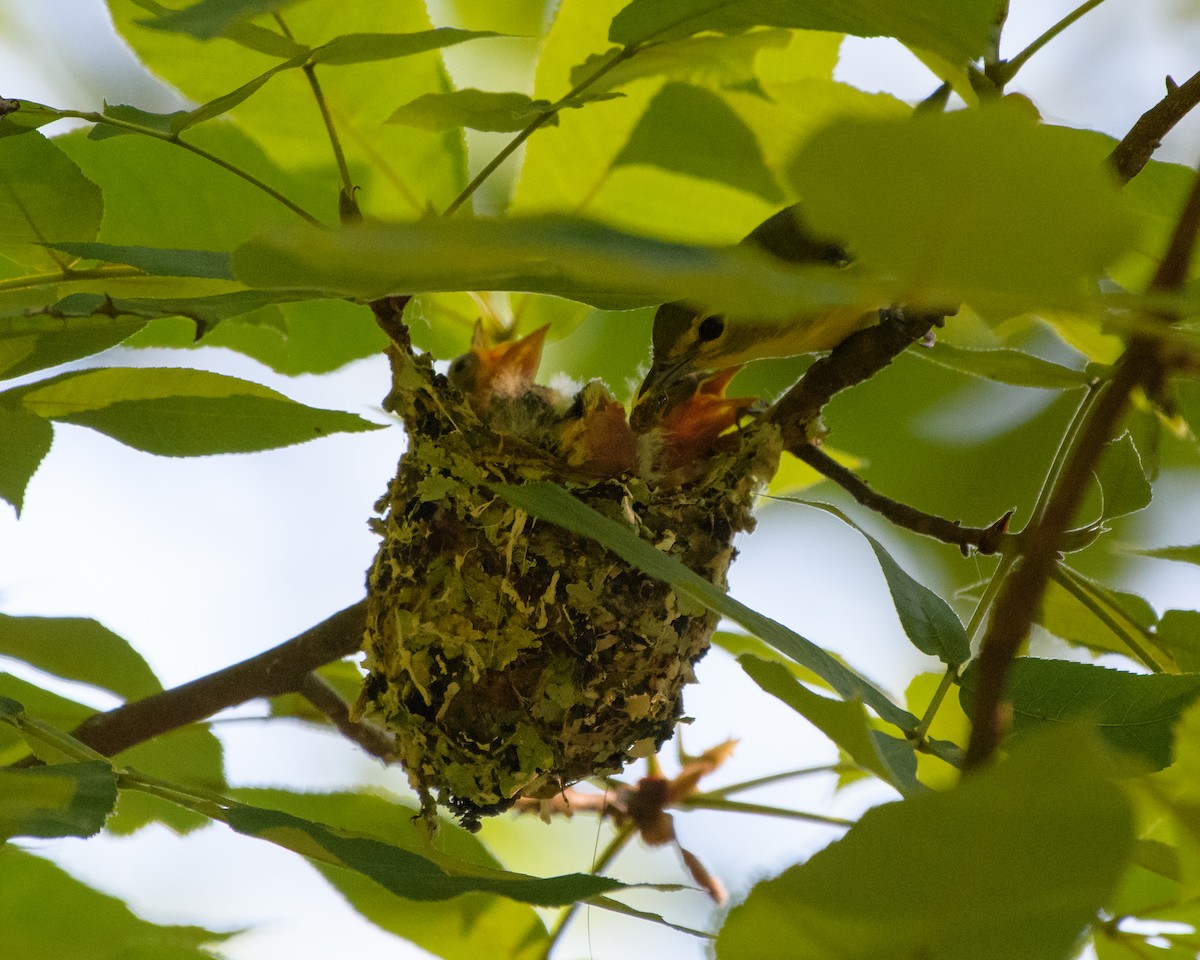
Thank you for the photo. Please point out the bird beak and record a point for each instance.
(510, 368)
(661, 376)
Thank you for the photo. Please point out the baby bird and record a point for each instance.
(682, 425)
(498, 383)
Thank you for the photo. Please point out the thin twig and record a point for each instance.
(985, 540)
(173, 138)
(1138, 145)
(540, 120)
(376, 741)
(347, 205)
(1002, 72)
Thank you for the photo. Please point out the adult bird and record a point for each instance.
(688, 340)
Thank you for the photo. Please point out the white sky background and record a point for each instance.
(203, 562)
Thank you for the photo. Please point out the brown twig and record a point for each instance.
(1138, 145)
(280, 670)
(858, 358)
(985, 540)
(375, 740)
(1145, 364)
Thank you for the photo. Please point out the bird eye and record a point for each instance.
(710, 328)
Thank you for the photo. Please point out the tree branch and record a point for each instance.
(375, 740)
(1146, 136)
(282, 669)
(858, 358)
(1144, 364)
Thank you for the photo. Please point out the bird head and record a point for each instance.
(689, 340)
(684, 425)
(505, 370)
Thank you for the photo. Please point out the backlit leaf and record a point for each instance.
(63, 800)
(24, 442)
(1013, 367)
(1134, 712)
(77, 649)
(678, 131)
(957, 29)
(182, 412)
(476, 109)
(43, 196)
(928, 621)
(1013, 862)
(843, 722)
(404, 872)
(45, 912)
(1049, 221)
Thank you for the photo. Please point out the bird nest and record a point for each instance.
(510, 657)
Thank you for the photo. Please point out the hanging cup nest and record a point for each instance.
(509, 656)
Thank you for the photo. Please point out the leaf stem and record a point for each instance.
(721, 792)
(935, 704)
(1077, 587)
(339, 156)
(173, 138)
(1061, 455)
(701, 801)
(108, 272)
(1003, 71)
(538, 121)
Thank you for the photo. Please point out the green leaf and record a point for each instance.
(1043, 230)
(472, 108)
(227, 101)
(367, 47)
(211, 18)
(205, 312)
(958, 30)
(321, 335)
(81, 650)
(402, 172)
(24, 442)
(77, 326)
(45, 912)
(705, 61)
(1089, 614)
(1013, 367)
(570, 167)
(844, 722)
(1133, 712)
(1178, 633)
(928, 621)
(182, 412)
(1190, 554)
(190, 755)
(677, 133)
(210, 264)
(564, 256)
(1013, 862)
(553, 503)
(64, 800)
(1122, 479)
(161, 122)
(200, 206)
(404, 872)
(462, 928)
(43, 195)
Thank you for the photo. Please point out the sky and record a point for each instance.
(202, 562)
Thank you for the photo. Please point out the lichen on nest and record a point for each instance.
(510, 657)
